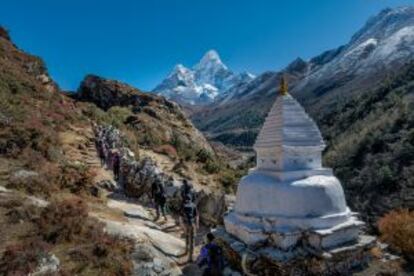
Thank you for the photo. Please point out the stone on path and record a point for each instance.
(140, 226)
(4, 190)
(131, 210)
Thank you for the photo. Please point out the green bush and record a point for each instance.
(211, 166)
(204, 156)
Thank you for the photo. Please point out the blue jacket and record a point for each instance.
(205, 259)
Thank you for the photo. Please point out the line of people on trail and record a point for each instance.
(121, 161)
(110, 149)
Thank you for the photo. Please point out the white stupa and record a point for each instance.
(289, 198)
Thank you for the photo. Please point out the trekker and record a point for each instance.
(190, 220)
(158, 196)
(116, 163)
(211, 256)
(101, 154)
(187, 190)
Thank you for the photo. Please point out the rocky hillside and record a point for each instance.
(206, 82)
(43, 190)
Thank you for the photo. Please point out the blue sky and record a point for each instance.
(140, 41)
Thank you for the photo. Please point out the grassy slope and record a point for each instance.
(33, 114)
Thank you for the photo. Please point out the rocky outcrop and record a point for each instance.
(107, 93)
(4, 33)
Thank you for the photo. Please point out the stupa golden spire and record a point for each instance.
(283, 86)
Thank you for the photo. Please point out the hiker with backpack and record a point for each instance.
(159, 198)
(190, 220)
(116, 163)
(211, 257)
(187, 191)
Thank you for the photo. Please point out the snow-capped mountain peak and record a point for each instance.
(202, 84)
(180, 69)
(210, 59)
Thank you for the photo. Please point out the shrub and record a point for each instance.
(64, 221)
(117, 115)
(77, 179)
(397, 229)
(34, 184)
(204, 155)
(228, 179)
(211, 166)
(68, 222)
(21, 259)
(18, 214)
(185, 150)
(108, 253)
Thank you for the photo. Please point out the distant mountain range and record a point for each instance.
(375, 53)
(203, 84)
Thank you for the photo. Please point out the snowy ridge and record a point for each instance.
(202, 84)
(386, 40)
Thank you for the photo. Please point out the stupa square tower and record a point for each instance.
(289, 198)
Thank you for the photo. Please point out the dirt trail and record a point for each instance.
(130, 217)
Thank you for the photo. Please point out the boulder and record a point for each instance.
(24, 174)
(149, 262)
(48, 266)
(108, 185)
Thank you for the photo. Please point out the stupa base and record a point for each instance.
(298, 260)
(286, 233)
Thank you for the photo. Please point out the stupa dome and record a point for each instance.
(317, 196)
(289, 191)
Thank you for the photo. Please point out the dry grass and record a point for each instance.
(167, 150)
(397, 229)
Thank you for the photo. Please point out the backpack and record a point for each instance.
(190, 212)
(187, 191)
(215, 261)
(159, 192)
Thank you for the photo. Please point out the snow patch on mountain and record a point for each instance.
(202, 84)
(399, 40)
